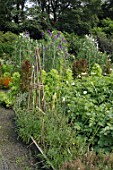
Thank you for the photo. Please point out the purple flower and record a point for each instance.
(45, 48)
(63, 40)
(42, 34)
(60, 46)
(58, 34)
(66, 54)
(50, 33)
(55, 37)
(27, 34)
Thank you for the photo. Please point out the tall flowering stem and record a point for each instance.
(54, 50)
(24, 49)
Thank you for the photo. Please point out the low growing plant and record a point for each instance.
(96, 70)
(5, 80)
(14, 87)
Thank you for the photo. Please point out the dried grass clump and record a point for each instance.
(90, 161)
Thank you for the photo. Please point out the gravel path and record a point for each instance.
(13, 154)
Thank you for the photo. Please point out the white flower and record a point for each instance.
(79, 76)
(63, 99)
(73, 83)
(84, 73)
(92, 73)
(84, 92)
(97, 45)
(21, 34)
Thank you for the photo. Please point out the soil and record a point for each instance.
(14, 155)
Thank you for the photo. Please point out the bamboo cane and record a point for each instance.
(41, 151)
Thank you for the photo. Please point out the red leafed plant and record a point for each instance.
(79, 67)
(25, 75)
(5, 82)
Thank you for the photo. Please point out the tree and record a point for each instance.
(11, 14)
(18, 11)
(53, 7)
(107, 9)
(80, 16)
(5, 14)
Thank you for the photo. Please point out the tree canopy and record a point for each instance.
(78, 16)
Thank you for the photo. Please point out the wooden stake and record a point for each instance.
(41, 151)
(30, 90)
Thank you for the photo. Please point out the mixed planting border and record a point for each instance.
(62, 102)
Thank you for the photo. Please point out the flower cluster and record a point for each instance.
(54, 49)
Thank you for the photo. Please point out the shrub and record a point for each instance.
(104, 39)
(7, 41)
(74, 43)
(7, 68)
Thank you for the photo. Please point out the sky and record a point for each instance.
(29, 4)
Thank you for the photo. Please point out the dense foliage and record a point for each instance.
(77, 81)
(74, 82)
(70, 16)
(7, 42)
(79, 116)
